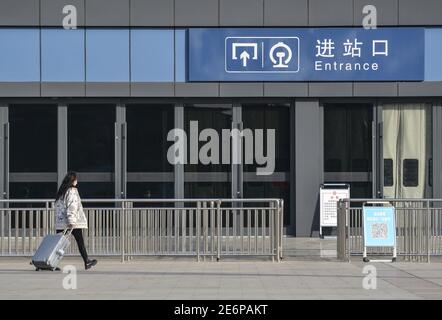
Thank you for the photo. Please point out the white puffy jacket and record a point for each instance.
(70, 211)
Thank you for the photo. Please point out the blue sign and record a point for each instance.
(307, 54)
(379, 226)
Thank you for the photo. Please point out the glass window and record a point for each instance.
(62, 55)
(202, 180)
(91, 136)
(277, 117)
(347, 138)
(150, 190)
(147, 145)
(217, 117)
(107, 55)
(411, 173)
(19, 55)
(33, 190)
(280, 190)
(360, 190)
(270, 116)
(152, 55)
(388, 172)
(33, 142)
(433, 48)
(203, 190)
(407, 142)
(95, 190)
(180, 55)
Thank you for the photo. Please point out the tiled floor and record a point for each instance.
(187, 279)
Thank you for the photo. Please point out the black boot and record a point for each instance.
(90, 263)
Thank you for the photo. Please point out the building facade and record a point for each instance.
(101, 99)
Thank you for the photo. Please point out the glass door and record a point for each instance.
(348, 146)
(91, 148)
(149, 173)
(208, 170)
(30, 155)
(269, 116)
(407, 150)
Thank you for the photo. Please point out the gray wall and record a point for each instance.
(213, 13)
(437, 150)
(308, 166)
(187, 13)
(214, 89)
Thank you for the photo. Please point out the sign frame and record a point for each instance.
(327, 188)
(379, 205)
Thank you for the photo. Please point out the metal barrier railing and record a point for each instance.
(153, 227)
(418, 229)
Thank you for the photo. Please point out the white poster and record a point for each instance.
(329, 205)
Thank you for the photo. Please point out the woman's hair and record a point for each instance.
(67, 183)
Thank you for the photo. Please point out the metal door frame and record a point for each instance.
(4, 148)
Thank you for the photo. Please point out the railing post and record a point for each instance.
(273, 213)
(342, 231)
(122, 231)
(211, 217)
(219, 237)
(428, 230)
(198, 225)
(205, 229)
(347, 224)
(281, 228)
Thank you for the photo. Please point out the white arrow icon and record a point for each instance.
(244, 56)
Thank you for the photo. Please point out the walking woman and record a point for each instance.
(69, 214)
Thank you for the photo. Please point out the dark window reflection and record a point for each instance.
(207, 190)
(347, 138)
(96, 190)
(150, 190)
(217, 117)
(33, 138)
(411, 173)
(147, 145)
(270, 116)
(388, 172)
(279, 190)
(32, 190)
(91, 131)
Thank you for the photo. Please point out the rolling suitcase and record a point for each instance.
(51, 251)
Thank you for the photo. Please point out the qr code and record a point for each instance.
(379, 230)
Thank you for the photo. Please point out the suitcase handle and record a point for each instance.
(67, 232)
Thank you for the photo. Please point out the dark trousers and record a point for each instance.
(78, 235)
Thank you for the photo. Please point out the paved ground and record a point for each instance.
(187, 279)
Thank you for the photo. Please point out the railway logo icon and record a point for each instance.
(261, 54)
